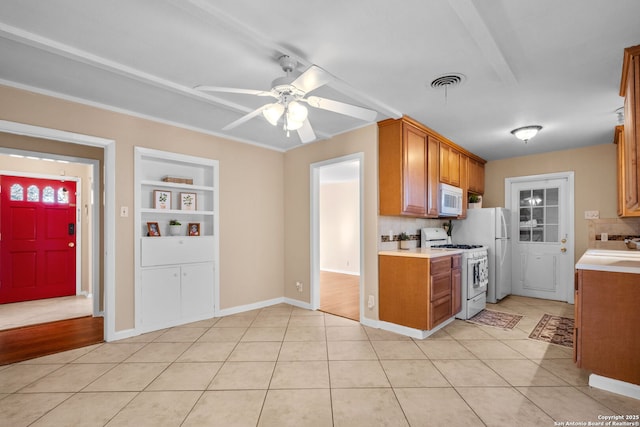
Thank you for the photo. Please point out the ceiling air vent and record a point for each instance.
(447, 81)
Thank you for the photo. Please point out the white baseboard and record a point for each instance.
(248, 307)
(378, 324)
(370, 322)
(120, 335)
(298, 303)
(615, 386)
(411, 332)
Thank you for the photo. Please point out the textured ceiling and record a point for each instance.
(552, 63)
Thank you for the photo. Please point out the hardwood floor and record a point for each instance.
(340, 294)
(32, 341)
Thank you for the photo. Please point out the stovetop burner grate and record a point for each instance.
(456, 246)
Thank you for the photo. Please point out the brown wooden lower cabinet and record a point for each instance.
(418, 292)
(607, 333)
(456, 284)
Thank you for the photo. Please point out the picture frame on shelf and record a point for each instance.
(188, 201)
(162, 199)
(153, 229)
(194, 229)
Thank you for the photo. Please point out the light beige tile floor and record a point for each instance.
(284, 366)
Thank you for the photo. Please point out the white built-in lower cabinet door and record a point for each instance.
(197, 291)
(176, 295)
(160, 297)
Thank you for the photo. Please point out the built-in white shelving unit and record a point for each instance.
(176, 275)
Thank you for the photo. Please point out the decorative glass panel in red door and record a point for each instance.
(37, 238)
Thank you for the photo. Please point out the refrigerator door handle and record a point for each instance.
(503, 224)
(503, 255)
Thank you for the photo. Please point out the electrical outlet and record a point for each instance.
(124, 211)
(604, 237)
(299, 286)
(371, 302)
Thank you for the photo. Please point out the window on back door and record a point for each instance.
(539, 215)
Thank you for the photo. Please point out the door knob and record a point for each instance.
(564, 240)
(563, 250)
(71, 244)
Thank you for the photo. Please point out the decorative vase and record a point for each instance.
(404, 244)
(174, 230)
(475, 205)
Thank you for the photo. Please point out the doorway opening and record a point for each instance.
(337, 221)
(542, 228)
(64, 250)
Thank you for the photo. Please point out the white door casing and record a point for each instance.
(542, 228)
(108, 147)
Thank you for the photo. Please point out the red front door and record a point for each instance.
(37, 238)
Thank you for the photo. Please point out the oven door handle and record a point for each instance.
(476, 275)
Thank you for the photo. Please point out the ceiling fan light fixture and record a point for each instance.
(292, 125)
(526, 133)
(273, 112)
(296, 112)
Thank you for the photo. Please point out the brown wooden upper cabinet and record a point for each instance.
(411, 160)
(449, 165)
(476, 176)
(407, 169)
(630, 89)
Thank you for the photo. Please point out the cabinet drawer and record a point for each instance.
(172, 250)
(440, 286)
(440, 310)
(440, 265)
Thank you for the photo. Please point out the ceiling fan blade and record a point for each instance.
(245, 118)
(233, 90)
(306, 132)
(342, 108)
(312, 79)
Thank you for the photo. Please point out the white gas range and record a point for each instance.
(475, 270)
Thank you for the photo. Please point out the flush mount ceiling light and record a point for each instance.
(526, 133)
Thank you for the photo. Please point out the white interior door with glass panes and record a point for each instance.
(542, 257)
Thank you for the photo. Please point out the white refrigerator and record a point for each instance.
(490, 227)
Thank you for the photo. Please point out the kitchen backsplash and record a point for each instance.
(393, 225)
(617, 230)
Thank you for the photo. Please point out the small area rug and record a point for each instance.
(497, 319)
(554, 330)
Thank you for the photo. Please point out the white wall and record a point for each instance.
(340, 227)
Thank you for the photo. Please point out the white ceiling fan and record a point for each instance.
(290, 92)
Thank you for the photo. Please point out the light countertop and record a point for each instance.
(610, 260)
(422, 252)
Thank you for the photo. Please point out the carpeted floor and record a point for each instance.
(496, 319)
(554, 330)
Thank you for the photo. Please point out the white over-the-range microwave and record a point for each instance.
(449, 200)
